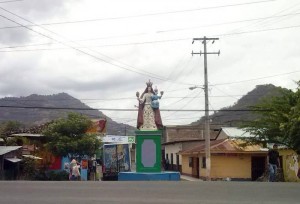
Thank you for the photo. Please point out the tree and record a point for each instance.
(278, 121)
(68, 137)
(6, 129)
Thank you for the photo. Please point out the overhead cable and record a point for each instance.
(154, 14)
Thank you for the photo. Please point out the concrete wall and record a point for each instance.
(222, 166)
(173, 148)
(231, 166)
(185, 166)
(290, 165)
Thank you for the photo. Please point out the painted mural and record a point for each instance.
(291, 165)
(116, 157)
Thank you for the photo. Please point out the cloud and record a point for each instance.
(15, 16)
(243, 57)
(37, 10)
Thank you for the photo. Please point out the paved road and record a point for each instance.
(185, 192)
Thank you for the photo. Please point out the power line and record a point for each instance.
(253, 79)
(226, 23)
(264, 20)
(81, 51)
(118, 99)
(122, 67)
(171, 30)
(157, 41)
(108, 45)
(262, 30)
(148, 14)
(65, 43)
(126, 109)
(9, 1)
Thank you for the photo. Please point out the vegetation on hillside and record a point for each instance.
(6, 129)
(278, 120)
(227, 116)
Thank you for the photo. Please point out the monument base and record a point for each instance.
(148, 151)
(143, 176)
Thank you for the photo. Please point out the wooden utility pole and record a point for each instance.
(206, 127)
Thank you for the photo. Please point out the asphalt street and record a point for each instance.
(186, 192)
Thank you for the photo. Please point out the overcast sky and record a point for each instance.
(103, 51)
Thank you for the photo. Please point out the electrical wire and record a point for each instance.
(226, 23)
(125, 109)
(261, 21)
(254, 79)
(1, 2)
(178, 29)
(149, 14)
(161, 41)
(145, 73)
(148, 74)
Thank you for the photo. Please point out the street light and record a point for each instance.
(206, 131)
(195, 87)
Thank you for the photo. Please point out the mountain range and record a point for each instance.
(36, 110)
(238, 112)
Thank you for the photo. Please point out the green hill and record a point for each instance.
(235, 114)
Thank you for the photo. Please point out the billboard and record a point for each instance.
(116, 158)
(118, 139)
(98, 126)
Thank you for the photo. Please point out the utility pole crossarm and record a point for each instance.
(205, 38)
(208, 53)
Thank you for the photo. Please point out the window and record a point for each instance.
(203, 162)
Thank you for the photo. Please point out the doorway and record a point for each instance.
(258, 166)
(195, 168)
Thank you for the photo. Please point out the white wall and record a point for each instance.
(173, 148)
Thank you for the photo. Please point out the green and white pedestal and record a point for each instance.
(148, 151)
(148, 160)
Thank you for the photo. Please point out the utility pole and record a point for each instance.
(206, 127)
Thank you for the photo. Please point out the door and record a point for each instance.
(195, 168)
(258, 166)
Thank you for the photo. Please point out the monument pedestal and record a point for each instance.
(148, 151)
(148, 159)
(144, 176)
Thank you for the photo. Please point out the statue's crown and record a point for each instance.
(149, 83)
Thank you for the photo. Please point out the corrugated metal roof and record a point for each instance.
(14, 160)
(26, 135)
(7, 149)
(201, 147)
(32, 157)
(226, 145)
(236, 132)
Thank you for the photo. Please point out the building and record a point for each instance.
(231, 159)
(178, 138)
(10, 156)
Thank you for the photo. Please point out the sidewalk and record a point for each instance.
(189, 178)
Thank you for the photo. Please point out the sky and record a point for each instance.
(103, 51)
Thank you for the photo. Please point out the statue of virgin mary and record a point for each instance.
(148, 118)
